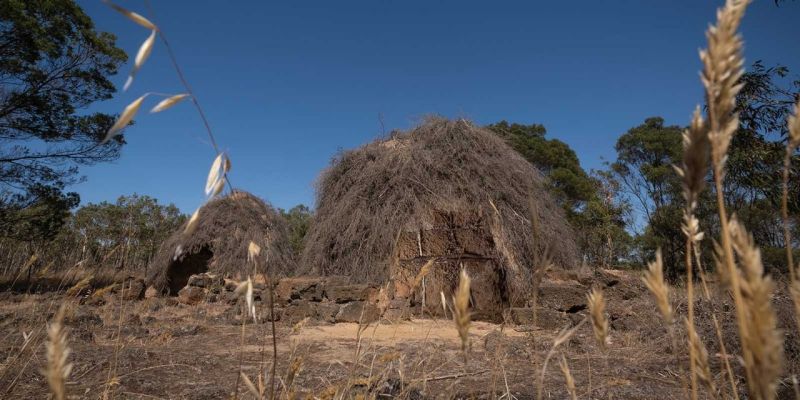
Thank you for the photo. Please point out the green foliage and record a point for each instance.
(123, 235)
(554, 158)
(133, 228)
(645, 158)
(37, 215)
(600, 225)
(646, 155)
(596, 214)
(299, 219)
(53, 64)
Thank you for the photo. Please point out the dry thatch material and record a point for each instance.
(370, 198)
(226, 227)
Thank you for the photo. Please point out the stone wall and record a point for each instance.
(329, 299)
(561, 300)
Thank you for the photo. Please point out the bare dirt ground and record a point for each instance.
(160, 349)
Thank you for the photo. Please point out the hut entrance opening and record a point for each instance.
(180, 270)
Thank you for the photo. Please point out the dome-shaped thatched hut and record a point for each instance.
(446, 191)
(219, 243)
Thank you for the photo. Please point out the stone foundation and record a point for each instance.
(333, 299)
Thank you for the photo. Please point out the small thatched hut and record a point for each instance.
(447, 191)
(219, 243)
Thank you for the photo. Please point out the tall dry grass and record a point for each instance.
(708, 142)
(58, 367)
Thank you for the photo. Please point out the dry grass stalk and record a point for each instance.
(58, 368)
(80, 286)
(795, 292)
(701, 270)
(444, 304)
(597, 307)
(726, 361)
(693, 172)
(654, 280)
(423, 272)
(796, 387)
(461, 313)
(791, 147)
(762, 341)
(722, 68)
(253, 253)
(570, 381)
(250, 386)
(563, 336)
(130, 111)
(245, 289)
(699, 356)
(293, 372)
(541, 262)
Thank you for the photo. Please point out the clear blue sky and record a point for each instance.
(286, 85)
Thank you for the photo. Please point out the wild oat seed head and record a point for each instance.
(695, 159)
(444, 303)
(762, 339)
(461, 308)
(253, 251)
(58, 369)
(722, 68)
(654, 280)
(424, 271)
(720, 263)
(294, 370)
(698, 352)
(169, 102)
(218, 187)
(749, 254)
(215, 173)
(133, 16)
(125, 118)
(192, 224)
(600, 326)
(569, 379)
(141, 56)
(300, 325)
(691, 227)
(245, 288)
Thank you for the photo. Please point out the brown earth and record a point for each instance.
(161, 348)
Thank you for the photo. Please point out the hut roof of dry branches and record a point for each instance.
(369, 194)
(226, 226)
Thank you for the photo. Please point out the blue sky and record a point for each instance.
(286, 85)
